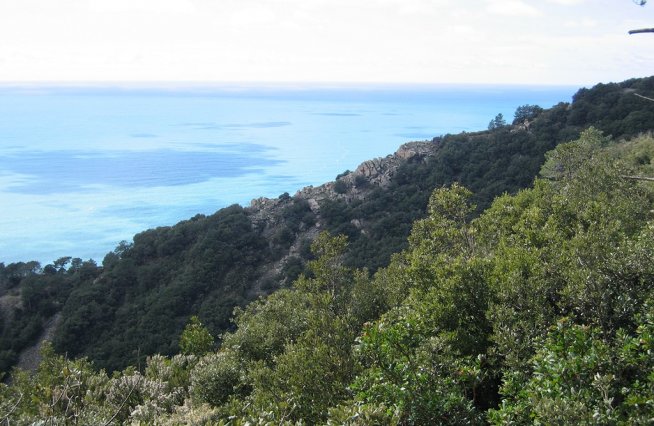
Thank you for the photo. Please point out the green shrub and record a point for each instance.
(340, 186)
(215, 378)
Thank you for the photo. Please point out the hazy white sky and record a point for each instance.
(417, 41)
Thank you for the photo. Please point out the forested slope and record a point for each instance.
(137, 301)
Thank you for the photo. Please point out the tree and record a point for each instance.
(497, 123)
(196, 339)
(526, 113)
(568, 159)
(60, 264)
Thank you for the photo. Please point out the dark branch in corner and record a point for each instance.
(642, 30)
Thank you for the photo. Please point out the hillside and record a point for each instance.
(539, 310)
(138, 300)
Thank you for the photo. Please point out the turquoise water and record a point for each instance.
(83, 168)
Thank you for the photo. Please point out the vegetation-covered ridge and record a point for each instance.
(138, 300)
(538, 311)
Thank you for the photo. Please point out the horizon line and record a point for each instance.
(244, 85)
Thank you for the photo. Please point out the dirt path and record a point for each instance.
(29, 358)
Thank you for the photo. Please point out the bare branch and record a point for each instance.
(647, 178)
(122, 404)
(6, 418)
(138, 380)
(642, 30)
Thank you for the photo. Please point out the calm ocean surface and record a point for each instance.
(83, 168)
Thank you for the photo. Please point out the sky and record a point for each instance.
(356, 41)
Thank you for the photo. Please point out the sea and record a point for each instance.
(84, 167)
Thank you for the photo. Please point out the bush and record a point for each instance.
(196, 338)
(215, 378)
(340, 187)
(361, 182)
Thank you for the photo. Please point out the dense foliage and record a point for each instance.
(489, 163)
(540, 310)
(137, 302)
(30, 296)
(146, 292)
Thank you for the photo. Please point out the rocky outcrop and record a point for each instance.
(380, 171)
(377, 172)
